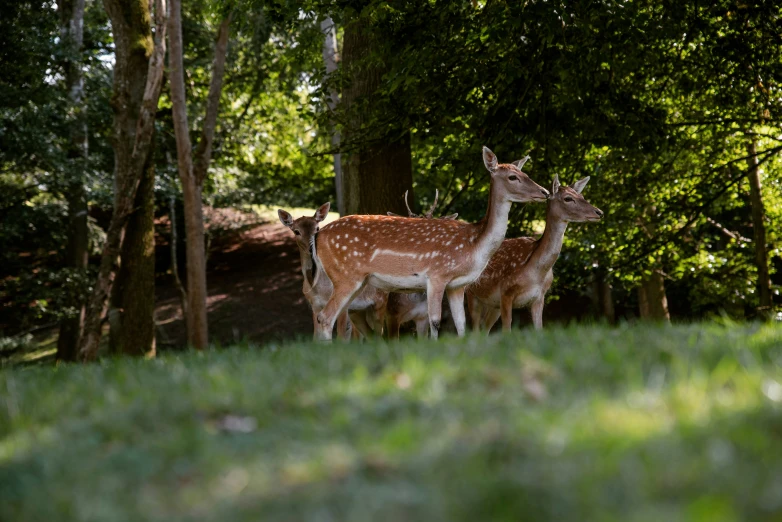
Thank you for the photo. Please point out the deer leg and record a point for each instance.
(355, 335)
(434, 302)
(456, 304)
(506, 307)
(375, 318)
(340, 299)
(359, 320)
(474, 309)
(392, 325)
(537, 312)
(342, 326)
(315, 325)
(490, 317)
(421, 328)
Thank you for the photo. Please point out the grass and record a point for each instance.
(635, 423)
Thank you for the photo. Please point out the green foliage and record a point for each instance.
(636, 423)
(266, 132)
(35, 166)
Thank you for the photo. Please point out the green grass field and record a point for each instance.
(636, 423)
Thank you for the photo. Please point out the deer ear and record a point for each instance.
(555, 185)
(520, 163)
(322, 212)
(489, 159)
(579, 185)
(285, 218)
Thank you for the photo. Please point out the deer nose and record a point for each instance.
(545, 193)
(599, 212)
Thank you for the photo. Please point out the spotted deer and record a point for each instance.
(403, 308)
(366, 311)
(521, 272)
(409, 255)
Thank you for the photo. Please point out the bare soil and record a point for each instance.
(254, 282)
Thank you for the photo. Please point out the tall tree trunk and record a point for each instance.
(330, 59)
(192, 173)
(376, 173)
(652, 301)
(138, 75)
(602, 298)
(172, 204)
(132, 309)
(72, 38)
(759, 229)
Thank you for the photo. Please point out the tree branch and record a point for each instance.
(176, 76)
(203, 152)
(732, 235)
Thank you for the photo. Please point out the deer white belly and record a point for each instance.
(528, 295)
(389, 283)
(360, 303)
(418, 312)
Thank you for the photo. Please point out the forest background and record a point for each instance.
(673, 108)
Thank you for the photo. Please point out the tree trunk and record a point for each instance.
(172, 213)
(71, 38)
(759, 229)
(192, 175)
(602, 298)
(132, 310)
(330, 59)
(378, 172)
(652, 301)
(135, 54)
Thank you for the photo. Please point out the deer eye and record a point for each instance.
(569, 199)
(513, 178)
(297, 232)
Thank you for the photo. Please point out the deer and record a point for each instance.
(366, 311)
(402, 254)
(405, 307)
(521, 272)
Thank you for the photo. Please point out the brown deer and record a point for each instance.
(403, 308)
(408, 254)
(521, 271)
(366, 311)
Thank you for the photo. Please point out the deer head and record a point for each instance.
(427, 215)
(304, 228)
(569, 205)
(512, 183)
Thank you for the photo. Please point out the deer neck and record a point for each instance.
(550, 244)
(309, 264)
(494, 224)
